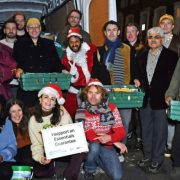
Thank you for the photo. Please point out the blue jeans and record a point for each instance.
(126, 118)
(104, 157)
(170, 135)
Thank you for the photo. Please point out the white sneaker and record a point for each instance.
(121, 158)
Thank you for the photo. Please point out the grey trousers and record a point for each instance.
(154, 133)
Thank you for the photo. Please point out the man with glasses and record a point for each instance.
(156, 69)
(74, 20)
(35, 55)
(172, 42)
(20, 19)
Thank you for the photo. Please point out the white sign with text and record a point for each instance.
(64, 140)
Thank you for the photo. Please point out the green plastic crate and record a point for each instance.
(36, 81)
(126, 99)
(174, 110)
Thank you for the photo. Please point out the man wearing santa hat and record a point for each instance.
(79, 62)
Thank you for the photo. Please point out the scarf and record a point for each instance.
(109, 55)
(106, 115)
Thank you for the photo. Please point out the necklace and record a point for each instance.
(169, 38)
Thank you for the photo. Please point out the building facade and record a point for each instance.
(146, 13)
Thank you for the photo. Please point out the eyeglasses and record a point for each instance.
(154, 37)
(33, 27)
(73, 17)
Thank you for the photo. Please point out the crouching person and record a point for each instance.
(103, 127)
(50, 113)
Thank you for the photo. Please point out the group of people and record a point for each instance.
(154, 67)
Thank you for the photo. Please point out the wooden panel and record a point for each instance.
(58, 20)
(98, 16)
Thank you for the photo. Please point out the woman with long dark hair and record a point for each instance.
(8, 144)
(49, 113)
(20, 120)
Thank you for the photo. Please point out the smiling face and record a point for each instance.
(74, 19)
(112, 32)
(74, 43)
(94, 96)
(16, 113)
(34, 30)
(47, 102)
(131, 34)
(155, 41)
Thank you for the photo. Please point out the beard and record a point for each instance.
(11, 37)
(20, 29)
(79, 47)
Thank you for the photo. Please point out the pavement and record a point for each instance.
(130, 169)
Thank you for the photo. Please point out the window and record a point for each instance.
(177, 18)
(158, 12)
(144, 19)
(134, 1)
(124, 3)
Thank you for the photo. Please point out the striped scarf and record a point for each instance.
(106, 115)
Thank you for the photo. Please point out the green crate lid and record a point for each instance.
(36, 81)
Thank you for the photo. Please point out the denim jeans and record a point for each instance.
(104, 157)
(170, 135)
(126, 118)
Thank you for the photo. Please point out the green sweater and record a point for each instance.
(174, 87)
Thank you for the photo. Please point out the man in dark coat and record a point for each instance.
(35, 55)
(74, 20)
(156, 69)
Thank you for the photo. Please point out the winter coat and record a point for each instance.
(7, 70)
(42, 58)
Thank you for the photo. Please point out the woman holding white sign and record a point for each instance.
(48, 114)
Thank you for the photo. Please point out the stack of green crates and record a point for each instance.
(126, 99)
(36, 81)
(174, 110)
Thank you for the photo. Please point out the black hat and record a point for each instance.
(112, 22)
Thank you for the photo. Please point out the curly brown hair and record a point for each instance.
(104, 93)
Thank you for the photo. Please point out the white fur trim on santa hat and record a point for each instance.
(74, 34)
(95, 83)
(49, 90)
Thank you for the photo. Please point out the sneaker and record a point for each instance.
(121, 158)
(155, 167)
(129, 137)
(88, 176)
(144, 162)
(175, 173)
(138, 144)
(167, 152)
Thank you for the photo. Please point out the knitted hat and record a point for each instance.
(33, 20)
(94, 82)
(167, 16)
(74, 31)
(53, 89)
